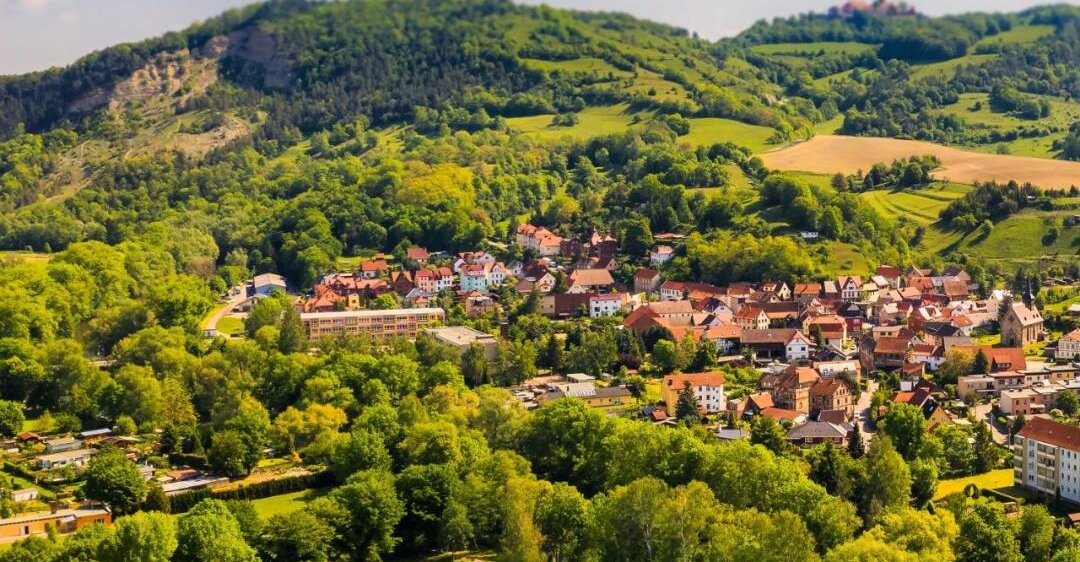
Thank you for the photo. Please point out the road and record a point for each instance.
(862, 411)
(236, 296)
(982, 412)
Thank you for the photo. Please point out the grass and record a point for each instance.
(710, 130)
(847, 259)
(993, 480)
(1018, 34)
(229, 325)
(831, 126)
(812, 49)
(22, 255)
(285, 503)
(584, 65)
(974, 109)
(592, 121)
(947, 68)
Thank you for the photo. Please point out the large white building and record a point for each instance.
(1046, 458)
(708, 388)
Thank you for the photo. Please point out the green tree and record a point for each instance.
(905, 425)
(113, 479)
(296, 537)
(363, 514)
(455, 530)
(11, 418)
(980, 365)
(1068, 403)
(210, 533)
(986, 451)
(855, 444)
(475, 366)
(987, 535)
(765, 431)
(291, 338)
(142, 537)
(564, 518)
(156, 499)
(688, 408)
(228, 453)
(924, 480)
(1036, 533)
(888, 479)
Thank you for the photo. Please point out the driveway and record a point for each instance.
(862, 410)
(982, 412)
(236, 295)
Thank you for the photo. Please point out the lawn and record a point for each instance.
(229, 325)
(24, 255)
(993, 480)
(847, 259)
(584, 65)
(285, 503)
(710, 130)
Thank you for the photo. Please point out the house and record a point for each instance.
(786, 343)
(373, 268)
(786, 417)
(661, 254)
(539, 239)
(752, 318)
(818, 432)
(887, 352)
(91, 435)
(477, 304)
(1022, 324)
(974, 385)
(378, 324)
(592, 395)
(891, 275)
(1021, 401)
(472, 258)
(708, 388)
(1068, 348)
(1001, 359)
(601, 306)
(78, 457)
(678, 290)
(401, 282)
(191, 484)
(434, 280)
(63, 521)
(590, 281)
(473, 278)
(24, 495)
(806, 292)
(646, 280)
(266, 283)
(848, 369)
(831, 394)
(567, 305)
(791, 389)
(461, 338)
(62, 444)
(603, 246)
(850, 287)
(665, 314)
(417, 254)
(1046, 457)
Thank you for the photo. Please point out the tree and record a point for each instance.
(210, 533)
(228, 453)
(296, 537)
(156, 499)
(113, 479)
(688, 408)
(958, 362)
(474, 365)
(11, 418)
(564, 518)
(363, 514)
(765, 431)
(980, 365)
(363, 449)
(291, 338)
(888, 479)
(142, 537)
(986, 451)
(1068, 403)
(906, 427)
(855, 444)
(1036, 533)
(455, 530)
(834, 470)
(987, 535)
(924, 480)
(553, 355)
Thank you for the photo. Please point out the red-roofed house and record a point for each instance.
(707, 387)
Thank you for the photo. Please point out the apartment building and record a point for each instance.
(379, 324)
(1046, 458)
(707, 387)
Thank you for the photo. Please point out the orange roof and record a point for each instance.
(591, 277)
(780, 414)
(714, 378)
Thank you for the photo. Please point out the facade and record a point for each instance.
(830, 394)
(1021, 325)
(606, 305)
(707, 387)
(379, 324)
(1068, 346)
(63, 520)
(646, 281)
(1046, 458)
(78, 457)
(539, 239)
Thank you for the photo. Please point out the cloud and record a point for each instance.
(28, 5)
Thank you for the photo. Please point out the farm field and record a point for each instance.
(827, 154)
(946, 68)
(810, 49)
(1018, 34)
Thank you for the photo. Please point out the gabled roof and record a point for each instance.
(591, 277)
(714, 378)
(646, 274)
(818, 430)
(1052, 432)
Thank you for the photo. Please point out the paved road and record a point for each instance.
(236, 296)
(862, 411)
(982, 413)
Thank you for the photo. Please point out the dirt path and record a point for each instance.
(828, 154)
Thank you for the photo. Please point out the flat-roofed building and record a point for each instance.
(462, 337)
(63, 520)
(378, 324)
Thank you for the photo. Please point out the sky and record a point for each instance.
(38, 34)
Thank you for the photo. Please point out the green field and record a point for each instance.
(585, 65)
(24, 256)
(846, 258)
(1018, 34)
(285, 503)
(974, 109)
(812, 49)
(709, 130)
(992, 480)
(592, 121)
(946, 68)
(229, 325)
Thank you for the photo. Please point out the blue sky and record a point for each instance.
(37, 34)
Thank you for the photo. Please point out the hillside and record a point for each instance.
(513, 112)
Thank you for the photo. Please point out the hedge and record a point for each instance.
(181, 503)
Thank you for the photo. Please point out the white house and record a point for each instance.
(606, 305)
(708, 388)
(661, 254)
(798, 347)
(1068, 346)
